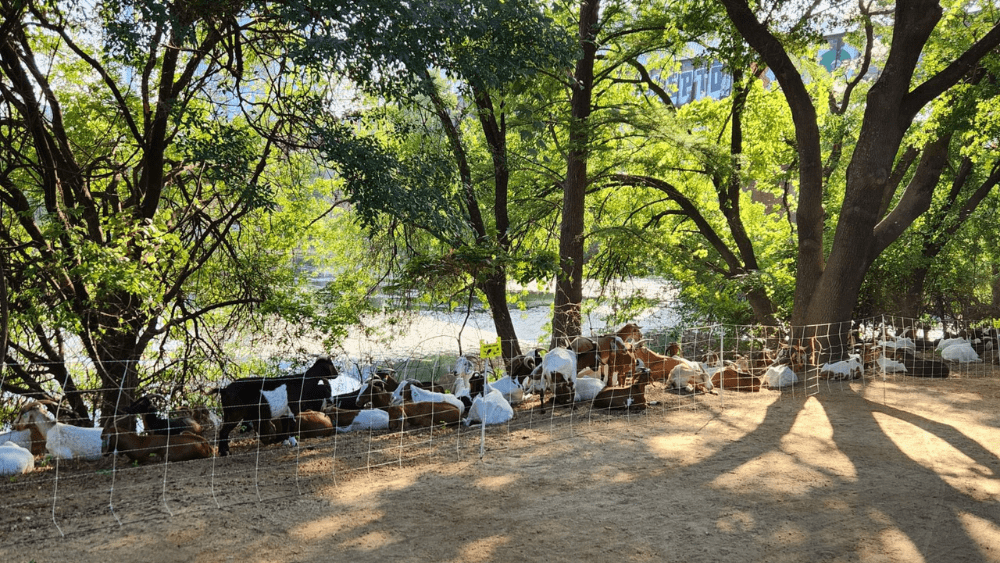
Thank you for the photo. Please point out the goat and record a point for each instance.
(312, 424)
(796, 355)
(489, 407)
(631, 397)
(422, 415)
(609, 355)
(658, 365)
(143, 449)
(630, 331)
(759, 360)
(15, 459)
(260, 399)
(780, 375)
(404, 391)
(712, 359)
(421, 396)
(689, 376)
(960, 352)
(851, 368)
(729, 377)
(558, 373)
(308, 424)
(374, 393)
(30, 438)
(467, 390)
(520, 367)
(510, 388)
(63, 441)
(587, 388)
(367, 419)
(155, 424)
(918, 367)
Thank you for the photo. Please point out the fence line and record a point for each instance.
(265, 471)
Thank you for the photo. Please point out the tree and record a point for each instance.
(827, 286)
(460, 64)
(138, 182)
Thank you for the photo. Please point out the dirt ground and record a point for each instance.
(906, 470)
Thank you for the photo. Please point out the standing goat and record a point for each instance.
(261, 399)
(557, 373)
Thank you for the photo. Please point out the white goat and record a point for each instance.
(780, 376)
(558, 367)
(423, 396)
(960, 352)
(30, 439)
(587, 388)
(63, 441)
(510, 389)
(888, 365)
(15, 459)
(946, 343)
(851, 368)
(689, 376)
(490, 408)
(368, 419)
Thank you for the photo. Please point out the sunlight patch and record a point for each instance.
(960, 471)
(738, 522)
(483, 549)
(811, 438)
(344, 522)
(807, 450)
(495, 483)
(985, 533)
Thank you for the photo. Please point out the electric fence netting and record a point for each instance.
(104, 470)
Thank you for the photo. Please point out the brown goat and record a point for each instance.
(631, 397)
(422, 415)
(630, 331)
(312, 424)
(659, 365)
(143, 449)
(609, 355)
(729, 378)
(341, 418)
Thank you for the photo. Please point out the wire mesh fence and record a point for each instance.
(95, 469)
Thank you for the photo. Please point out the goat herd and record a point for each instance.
(607, 372)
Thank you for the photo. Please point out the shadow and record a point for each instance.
(768, 477)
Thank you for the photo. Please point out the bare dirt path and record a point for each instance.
(904, 471)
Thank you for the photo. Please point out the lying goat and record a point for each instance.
(631, 397)
(155, 447)
(156, 424)
(63, 441)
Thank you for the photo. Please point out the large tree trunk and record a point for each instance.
(826, 293)
(569, 278)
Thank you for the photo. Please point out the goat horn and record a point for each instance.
(33, 404)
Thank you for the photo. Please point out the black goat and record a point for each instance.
(374, 393)
(258, 400)
(156, 424)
